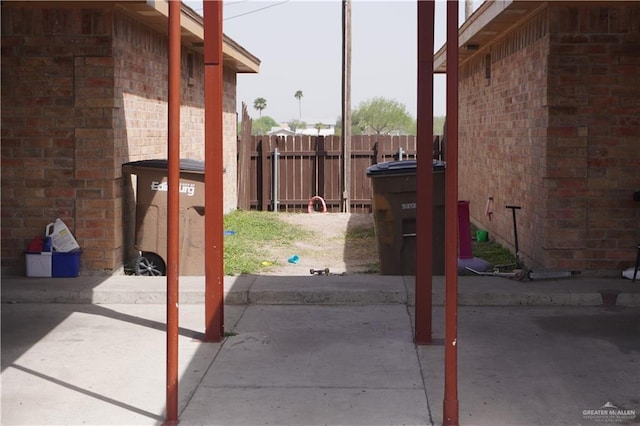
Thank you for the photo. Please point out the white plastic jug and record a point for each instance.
(61, 237)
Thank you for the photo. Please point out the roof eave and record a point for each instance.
(156, 13)
(488, 22)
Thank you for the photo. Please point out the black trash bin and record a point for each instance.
(394, 213)
(151, 216)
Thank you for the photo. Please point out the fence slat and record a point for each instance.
(265, 157)
(244, 161)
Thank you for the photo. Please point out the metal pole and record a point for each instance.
(346, 106)
(213, 173)
(515, 233)
(424, 174)
(450, 403)
(173, 212)
(276, 156)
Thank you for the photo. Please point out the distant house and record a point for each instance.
(280, 131)
(84, 90)
(327, 128)
(310, 130)
(549, 107)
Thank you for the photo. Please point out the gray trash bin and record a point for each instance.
(394, 213)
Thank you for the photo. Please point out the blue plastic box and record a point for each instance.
(66, 264)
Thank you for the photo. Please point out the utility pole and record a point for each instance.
(346, 106)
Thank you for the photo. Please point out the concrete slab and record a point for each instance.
(89, 364)
(497, 291)
(537, 365)
(315, 365)
(306, 406)
(118, 289)
(332, 289)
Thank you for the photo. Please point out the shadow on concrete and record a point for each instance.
(616, 326)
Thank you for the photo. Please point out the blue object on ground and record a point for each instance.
(476, 263)
(293, 259)
(229, 232)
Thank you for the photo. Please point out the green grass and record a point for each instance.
(360, 234)
(491, 251)
(361, 240)
(245, 251)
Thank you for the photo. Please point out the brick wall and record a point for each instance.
(593, 153)
(502, 136)
(57, 103)
(83, 91)
(549, 121)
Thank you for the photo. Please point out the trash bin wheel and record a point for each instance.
(150, 264)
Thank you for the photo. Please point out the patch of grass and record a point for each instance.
(491, 251)
(360, 243)
(360, 233)
(372, 268)
(245, 251)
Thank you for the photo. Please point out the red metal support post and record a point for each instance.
(213, 172)
(450, 403)
(173, 212)
(424, 174)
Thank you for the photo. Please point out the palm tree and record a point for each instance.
(260, 104)
(299, 96)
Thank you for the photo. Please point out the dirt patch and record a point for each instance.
(342, 242)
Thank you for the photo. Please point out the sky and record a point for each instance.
(299, 43)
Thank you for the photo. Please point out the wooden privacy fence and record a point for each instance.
(306, 166)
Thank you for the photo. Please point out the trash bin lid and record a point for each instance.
(399, 167)
(186, 164)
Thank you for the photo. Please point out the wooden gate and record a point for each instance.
(311, 165)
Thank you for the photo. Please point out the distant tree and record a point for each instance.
(263, 124)
(355, 130)
(297, 124)
(299, 96)
(259, 104)
(319, 126)
(381, 116)
(412, 129)
(438, 125)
